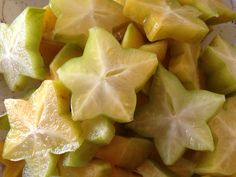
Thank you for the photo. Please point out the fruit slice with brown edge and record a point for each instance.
(164, 19)
(126, 152)
(176, 118)
(221, 162)
(218, 64)
(20, 58)
(104, 81)
(68, 52)
(41, 124)
(184, 63)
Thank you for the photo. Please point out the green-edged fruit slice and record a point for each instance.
(68, 52)
(96, 168)
(221, 161)
(19, 48)
(42, 165)
(99, 130)
(104, 80)
(149, 168)
(41, 124)
(219, 65)
(75, 18)
(176, 118)
(184, 63)
(118, 172)
(164, 19)
(126, 152)
(82, 156)
(133, 38)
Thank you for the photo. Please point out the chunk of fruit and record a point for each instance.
(19, 48)
(219, 65)
(221, 161)
(184, 63)
(104, 80)
(126, 152)
(118, 172)
(176, 118)
(40, 125)
(164, 19)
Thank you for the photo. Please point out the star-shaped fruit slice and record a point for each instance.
(164, 19)
(176, 118)
(104, 80)
(40, 125)
(221, 161)
(19, 48)
(78, 16)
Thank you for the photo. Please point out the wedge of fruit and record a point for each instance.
(96, 168)
(176, 118)
(99, 130)
(221, 161)
(104, 80)
(184, 63)
(218, 64)
(41, 124)
(73, 23)
(42, 165)
(118, 172)
(164, 19)
(133, 38)
(126, 152)
(68, 52)
(19, 48)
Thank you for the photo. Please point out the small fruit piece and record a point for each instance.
(219, 65)
(149, 168)
(133, 38)
(99, 130)
(125, 152)
(176, 118)
(96, 168)
(221, 162)
(164, 19)
(104, 80)
(19, 48)
(67, 52)
(82, 156)
(184, 63)
(41, 124)
(118, 172)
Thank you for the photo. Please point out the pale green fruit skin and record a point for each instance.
(219, 75)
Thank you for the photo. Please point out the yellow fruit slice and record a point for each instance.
(41, 125)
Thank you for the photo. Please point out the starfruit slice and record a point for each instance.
(19, 48)
(40, 124)
(104, 80)
(219, 65)
(176, 118)
(221, 161)
(164, 19)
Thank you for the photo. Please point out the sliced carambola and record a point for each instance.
(82, 156)
(219, 65)
(19, 48)
(41, 165)
(68, 52)
(176, 118)
(99, 130)
(41, 124)
(133, 38)
(221, 162)
(184, 63)
(118, 172)
(104, 80)
(149, 168)
(96, 168)
(73, 23)
(126, 152)
(164, 19)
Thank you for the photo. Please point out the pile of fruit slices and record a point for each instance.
(127, 90)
